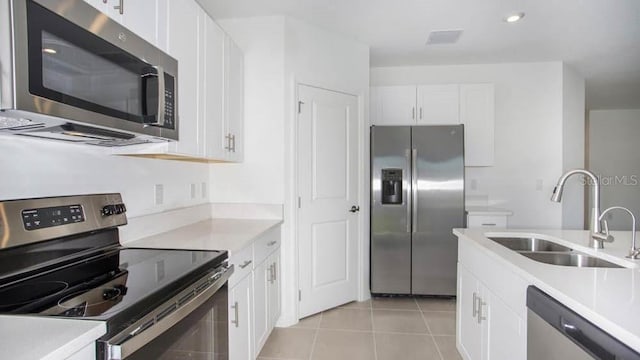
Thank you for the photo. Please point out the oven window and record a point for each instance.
(203, 335)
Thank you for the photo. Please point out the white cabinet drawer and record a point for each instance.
(494, 221)
(266, 244)
(243, 263)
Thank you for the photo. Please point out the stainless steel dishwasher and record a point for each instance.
(555, 332)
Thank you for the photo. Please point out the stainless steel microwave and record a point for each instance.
(70, 73)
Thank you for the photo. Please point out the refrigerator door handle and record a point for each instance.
(414, 190)
(408, 190)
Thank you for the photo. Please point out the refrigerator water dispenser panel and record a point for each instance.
(391, 186)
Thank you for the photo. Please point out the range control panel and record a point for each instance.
(34, 219)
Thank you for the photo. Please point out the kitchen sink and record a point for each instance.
(529, 244)
(565, 259)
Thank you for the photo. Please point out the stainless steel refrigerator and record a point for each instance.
(417, 198)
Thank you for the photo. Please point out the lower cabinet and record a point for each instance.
(254, 295)
(486, 328)
(241, 320)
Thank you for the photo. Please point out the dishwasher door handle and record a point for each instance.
(584, 341)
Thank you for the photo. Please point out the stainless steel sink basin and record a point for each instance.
(566, 259)
(529, 244)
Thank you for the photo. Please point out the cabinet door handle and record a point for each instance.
(270, 277)
(271, 243)
(420, 113)
(488, 224)
(119, 7)
(413, 113)
(233, 141)
(275, 271)
(245, 264)
(480, 305)
(227, 138)
(475, 300)
(236, 320)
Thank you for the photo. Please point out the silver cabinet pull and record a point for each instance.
(488, 224)
(275, 272)
(413, 113)
(480, 305)
(120, 8)
(245, 264)
(228, 139)
(270, 279)
(236, 322)
(233, 141)
(421, 113)
(475, 299)
(271, 243)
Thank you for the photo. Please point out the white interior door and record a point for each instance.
(328, 188)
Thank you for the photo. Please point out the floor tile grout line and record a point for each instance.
(373, 335)
(315, 337)
(431, 335)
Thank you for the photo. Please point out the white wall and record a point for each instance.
(528, 133)
(613, 152)
(279, 53)
(38, 168)
(573, 146)
(260, 178)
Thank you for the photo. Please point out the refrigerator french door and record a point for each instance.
(417, 198)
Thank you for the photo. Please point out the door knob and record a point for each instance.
(355, 209)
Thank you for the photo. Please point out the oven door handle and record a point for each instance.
(157, 322)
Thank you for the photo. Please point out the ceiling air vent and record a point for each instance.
(443, 37)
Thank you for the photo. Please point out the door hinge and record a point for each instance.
(300, 106)
(299, 295)
(299, 202)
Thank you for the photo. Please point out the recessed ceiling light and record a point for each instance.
(49, 51)
(511, 18)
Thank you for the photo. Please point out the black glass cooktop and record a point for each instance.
(116, 285)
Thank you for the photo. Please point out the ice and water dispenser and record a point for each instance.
(391, 186)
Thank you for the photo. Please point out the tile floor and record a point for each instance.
(378, 329)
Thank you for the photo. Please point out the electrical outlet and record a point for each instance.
(204, 190)
(193, 191)
(158, 194)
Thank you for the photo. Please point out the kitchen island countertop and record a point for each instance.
(608, 297)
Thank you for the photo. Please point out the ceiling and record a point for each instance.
(599, 38)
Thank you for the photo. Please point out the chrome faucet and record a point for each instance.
(597, 236)
(634, 253)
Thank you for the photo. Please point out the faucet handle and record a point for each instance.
(606, 226)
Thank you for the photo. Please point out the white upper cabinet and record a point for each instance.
(140, 16)
(393, 105)
(477, 113)
(438, 105)
(185, 18)
(214, 90)
(234, 101)
(449, 104)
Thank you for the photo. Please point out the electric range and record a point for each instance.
(61, 257)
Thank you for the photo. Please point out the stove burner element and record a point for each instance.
(20, 294)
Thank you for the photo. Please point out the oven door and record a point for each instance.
(193, 324)
(73, 62)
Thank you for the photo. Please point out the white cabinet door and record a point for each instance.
(234, 100)
(438, 104)
(274, 289)
(241, 320)
(469, 331)
(477, 113)
(185, 18)
(214, 86)
(394, 105)
(504, 330)
(261, 291)
(140, 16)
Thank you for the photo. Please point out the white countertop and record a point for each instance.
(213, 234)
(488, 211)
(29, 338)
(608, 297)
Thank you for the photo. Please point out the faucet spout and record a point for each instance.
(634, 252)
(597, 237)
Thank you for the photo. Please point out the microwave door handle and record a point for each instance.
(161, 96)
